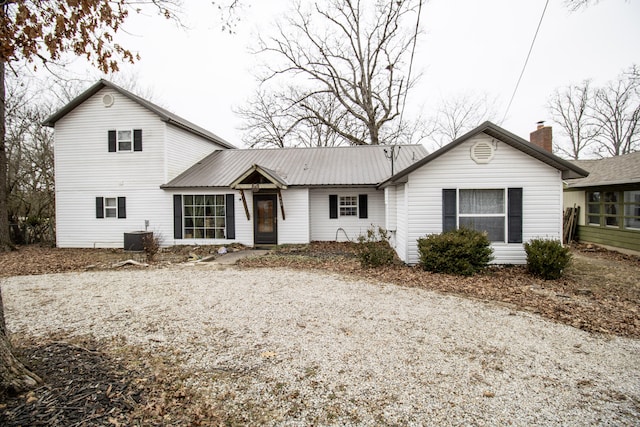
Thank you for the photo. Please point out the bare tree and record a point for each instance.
(345, 66)
(616, 112)
(572, 109)
(457, 115)
(575, 5)
(44, 31)
(30, 160)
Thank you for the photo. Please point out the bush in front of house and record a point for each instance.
(463, 252)
(546, 258)
(374, 249)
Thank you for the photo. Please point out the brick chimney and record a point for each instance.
(542, 137)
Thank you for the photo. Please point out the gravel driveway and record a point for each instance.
(280, 347)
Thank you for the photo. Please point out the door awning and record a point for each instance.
(258, 178)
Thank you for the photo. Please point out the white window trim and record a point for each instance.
(349, 206)
(205, 228)
(118, 140)
(113, 208)
(503, 215)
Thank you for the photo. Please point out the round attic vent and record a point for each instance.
(482, 152)
(107, 100)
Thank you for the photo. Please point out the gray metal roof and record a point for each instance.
(165, 115)
(568, 169)
(321, 166)
(616, 170)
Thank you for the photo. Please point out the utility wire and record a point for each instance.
(413, 51)
(526, 61)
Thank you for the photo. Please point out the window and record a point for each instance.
(204, 216)
(348, 205)
(632, 209)
(483, 210)
(498, 212)
(125, 140)
(593, 208)
(610, 199)
(615, 209)
(111, 207)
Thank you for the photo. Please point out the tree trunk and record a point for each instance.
(14, 377)
(5, 239)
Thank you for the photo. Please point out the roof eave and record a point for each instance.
(102, 83)
(567, 168)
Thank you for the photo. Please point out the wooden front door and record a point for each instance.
(265, 219)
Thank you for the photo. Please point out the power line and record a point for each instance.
(526, 61)
(413, 51)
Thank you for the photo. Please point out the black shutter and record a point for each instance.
(230, 217)
(333, 206)
(137, 140)
(362, 206)
(122, 207)
(449, 209)
(99, 207)
(112, 141)
(514, 202)
(177, 216)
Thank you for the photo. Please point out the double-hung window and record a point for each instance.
(111, 207)
(483, 210)
(498, 212)
(124, 140)
(348, 205)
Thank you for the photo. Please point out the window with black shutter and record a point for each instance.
(111, 207)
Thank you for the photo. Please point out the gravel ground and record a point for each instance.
(281, 347)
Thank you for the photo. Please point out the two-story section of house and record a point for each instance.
(113, 151)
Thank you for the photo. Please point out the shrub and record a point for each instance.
(151, 244)
(374, 249)
(546, 258)
(463, 251)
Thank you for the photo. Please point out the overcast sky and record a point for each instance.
(467, 46)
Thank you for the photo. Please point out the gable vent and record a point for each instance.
(107, 100)
(482, 152)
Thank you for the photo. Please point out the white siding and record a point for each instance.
(295, 228)
(183, 149)
(391, 208)
(542, 194)
(86, 170)
(401, 231)
(324, 228)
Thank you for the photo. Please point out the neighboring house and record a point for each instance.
(609, 201)
(122, 161)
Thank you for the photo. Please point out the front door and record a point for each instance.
(265, 219)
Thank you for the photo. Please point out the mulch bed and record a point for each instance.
(87, 383)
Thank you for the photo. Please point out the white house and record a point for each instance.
(123, 162)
